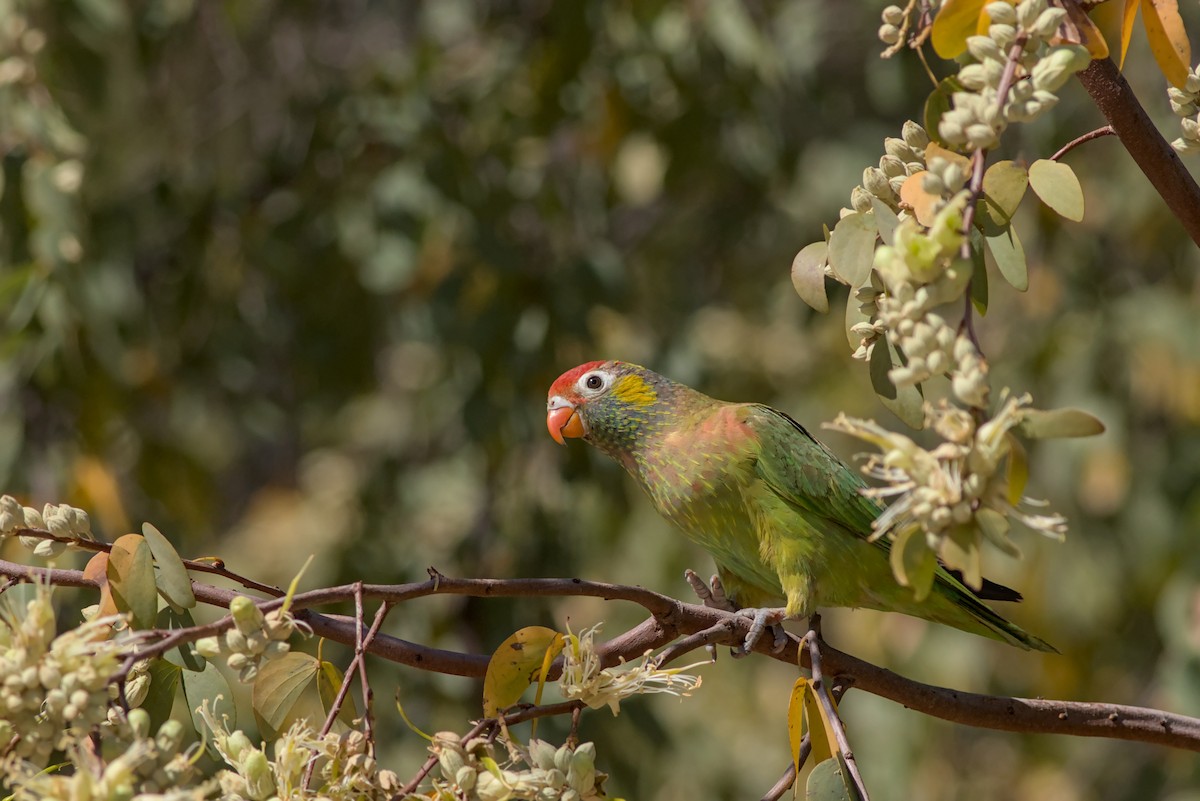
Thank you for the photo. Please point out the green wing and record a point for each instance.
(802, 471)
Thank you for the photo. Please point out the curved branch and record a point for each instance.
(1158, 160)
(672, 619)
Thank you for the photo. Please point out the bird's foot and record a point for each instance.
(711, 596)
(764, 618)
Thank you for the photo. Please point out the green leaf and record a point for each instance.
(906, 402)
(164, 684)
(184, 655)
(1004, 185)
(913, 564)
(936, 106)
(979, 276)
(173, 580)
(329, 682)
(1058, 187)
(885, 220)
(1058, 424)
(956, 20)
(516, 664)
(284, 691)
(1016, 472)
(808, 275)
(827, 782)
(852, 248)
(960, 551)
(1009, 257)
(131, 577)
(212, 686)
(994, 527)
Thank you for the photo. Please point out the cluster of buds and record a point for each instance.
(346, 772)
(901, 158)
(53, 688)
(583, 678)
(254, 638)
(469, 771)
(980, 114)
(956, 492)
(917, 273)
(161, 764)
(1185, 103)
(891, 32)
(60, 520)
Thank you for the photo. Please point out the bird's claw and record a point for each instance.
(763, 618)
(711, 596)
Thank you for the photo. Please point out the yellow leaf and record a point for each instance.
(820, 732)
(1083, 31)
(795, 718)
(516, 664)
(1128, 17)
(956, 20)
(1168, 39)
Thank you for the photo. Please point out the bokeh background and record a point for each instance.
(292, 278)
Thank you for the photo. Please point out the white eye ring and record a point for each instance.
(593, 383)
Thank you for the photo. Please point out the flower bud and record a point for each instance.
(893, 15)
(984, 49)
(914, 136)
(260, 784)
(246, 614)
(875, 182)
(1046, 24)
(973, 76)
(889, 34)
(1001, 12)
(1192, 84)
(860, 199)
(1003, 35)
(900, 150)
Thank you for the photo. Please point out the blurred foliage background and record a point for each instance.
(292, 278)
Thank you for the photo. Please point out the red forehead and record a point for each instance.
(565, 382)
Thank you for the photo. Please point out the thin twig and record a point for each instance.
(813, 638)
(1106, 130)
(789, 775)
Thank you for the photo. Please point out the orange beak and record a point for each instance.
(563, 420)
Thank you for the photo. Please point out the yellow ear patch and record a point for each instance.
(634, 390)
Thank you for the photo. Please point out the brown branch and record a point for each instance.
(789, 776)
(673, 619)
(1106, 130)
(829, 709)
(1150, 151)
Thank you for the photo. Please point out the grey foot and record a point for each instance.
(764, 618)
(711, 596)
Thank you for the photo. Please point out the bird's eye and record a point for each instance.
(593, 381)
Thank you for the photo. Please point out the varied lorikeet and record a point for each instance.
(782, 516)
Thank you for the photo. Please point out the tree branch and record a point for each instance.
(1157, 159)
(672, 619)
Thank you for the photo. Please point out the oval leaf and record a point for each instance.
(209, 685)
(1059, 424)
(1009, 257)
(808, 275)
(820, 738)
(131, 577)
(1055, 183)
(516, 664)
(827, 783)
(956, 20)
(1004, 185)
(184, 655)
(160, 698)
(173, 580)
(913, 564)
(907, 403)
(1168, 39)
(852, 248)
(284, 691)
(913, 195)
(885, 220)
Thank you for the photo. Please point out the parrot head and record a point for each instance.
(608, 404)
